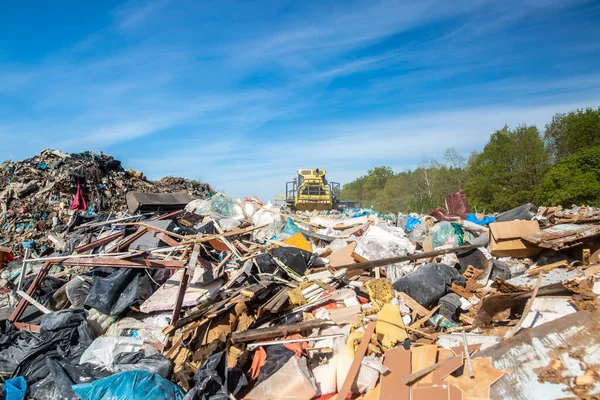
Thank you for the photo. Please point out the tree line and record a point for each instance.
(559, 166)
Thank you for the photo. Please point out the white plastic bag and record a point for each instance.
(103, 350)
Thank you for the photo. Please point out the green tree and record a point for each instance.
(574, 180)
(574, 131)
(508, 170)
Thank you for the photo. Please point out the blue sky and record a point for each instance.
(241, 94)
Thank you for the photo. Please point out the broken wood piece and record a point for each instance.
(187, 275)
(33, 302)
(413, 304)
(527, 309)
(467, 355)
(356, 362)
(278, 331)
(424, 319)
(421, 373)
(299, 340)
(116, 263)
(98, 243)
(548, 267)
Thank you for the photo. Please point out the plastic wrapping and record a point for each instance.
(222, 207)
(129, 385)
(78, 289)
(104, 349)
(429, 283)
(524, 212)
(156, 363)
(199, 207)
(120, 290)
(275, 224)
(443, 234)
(485, 221)
(294, 381)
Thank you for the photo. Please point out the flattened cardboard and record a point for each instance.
(506, 238)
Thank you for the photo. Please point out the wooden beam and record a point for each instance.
(527, 309)
(278, 331)
(97, 243)
(22, 305)
(119, 263)
(33, 302)
(411, 257)
(187, 275)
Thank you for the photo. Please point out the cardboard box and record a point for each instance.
(506, 239)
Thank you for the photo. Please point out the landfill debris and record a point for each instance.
(112, 286)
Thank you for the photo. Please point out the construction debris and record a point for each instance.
(113, 285)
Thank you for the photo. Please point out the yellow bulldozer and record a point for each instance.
(311, 191)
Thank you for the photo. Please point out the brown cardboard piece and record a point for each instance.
(397, 360)
(506, 238)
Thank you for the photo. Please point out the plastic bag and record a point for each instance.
(14, 389)
(78, 289)
(199, 207)
(485, 221)
(443, 234)
(103, 350)
(526, 212)
(429, 283)
(275, 224)
(295, 259)
(411, 223)
(214, 381)
(129, 385)
(222, 207)
(229, 224)
(120, 290)
(294, 381)
(156, 363)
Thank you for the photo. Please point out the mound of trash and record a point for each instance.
(42, 192)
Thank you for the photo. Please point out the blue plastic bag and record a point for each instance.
(290, 227)
(411, 223)
(14, 389)
(485, 221)
(129, 385)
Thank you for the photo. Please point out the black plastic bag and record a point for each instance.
(526, 212)
(156, 363)
(277, 356)
(214, 381)
(120, 290)
(294, 258)
(78, 290)
(429, 283)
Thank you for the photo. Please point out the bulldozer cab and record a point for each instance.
(311, 191)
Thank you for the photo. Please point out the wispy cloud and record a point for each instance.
(243, 94)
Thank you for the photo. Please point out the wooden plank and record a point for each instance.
(167, 239)
(411, 257)
(433, 392)
(98, 243)
(421, 373)
(33, 302)
(548, 267)
(423, 357)
(397, 360)
(22, 305)
(119, 263)
(413, 304)
(356, 362)
(188, 274)
(278, 331)
(449, 366)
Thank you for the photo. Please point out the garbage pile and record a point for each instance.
(219, 298)
(48, 191)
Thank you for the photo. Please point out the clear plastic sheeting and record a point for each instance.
(275, 223)
(378, 243)
(103, 350)
(443, 234)
(199, 207)
(294, 381)
(129, 385)
(222, 207)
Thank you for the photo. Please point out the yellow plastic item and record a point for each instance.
(298, 240)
